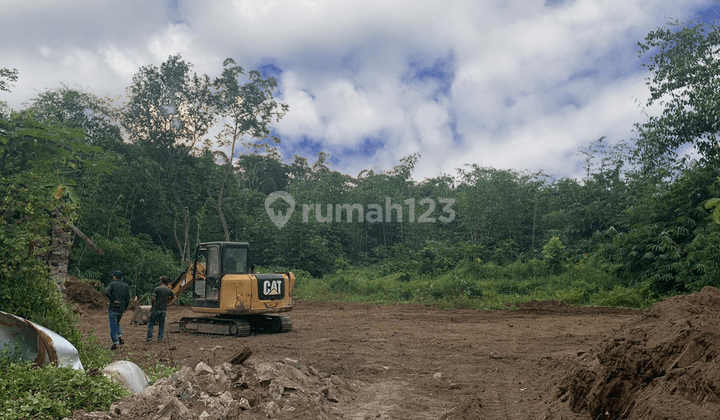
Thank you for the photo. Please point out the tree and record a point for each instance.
(169, 112)
(37, 193)
(7, 77)
(76, 108)
(686, 81)
(10, 76)
(246, 111)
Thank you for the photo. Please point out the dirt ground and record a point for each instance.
(406, 361)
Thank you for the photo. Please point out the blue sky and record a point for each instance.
(518, 84)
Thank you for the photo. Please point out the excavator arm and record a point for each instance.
(186, 279)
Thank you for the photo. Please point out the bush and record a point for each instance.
(480, 286)
(138, 258)
(516, 287)
(50, 392)
(625, 297)
(553, 253)
(341, 284)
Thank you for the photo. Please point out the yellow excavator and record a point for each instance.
(224, 285)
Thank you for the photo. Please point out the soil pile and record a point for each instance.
(663, 365)
(279, 390)
(85, 293)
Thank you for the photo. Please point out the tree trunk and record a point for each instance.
(219, 204)
(58, 258)
(222, 186)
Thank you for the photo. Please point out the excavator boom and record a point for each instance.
(186, 279)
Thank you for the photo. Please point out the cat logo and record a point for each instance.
(272, 287)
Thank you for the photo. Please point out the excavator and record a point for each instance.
(225, 285)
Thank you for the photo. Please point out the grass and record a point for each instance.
(477, 286)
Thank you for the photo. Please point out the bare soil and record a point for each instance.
(543, 360)
(408, 361)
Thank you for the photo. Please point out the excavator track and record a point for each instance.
(236, 326)
(270, 323)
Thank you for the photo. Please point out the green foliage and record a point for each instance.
(480, 286)
(34, 162)
(137, 257)
(668, 238)
(340, 284)
(553, 254)
(685, 81)
(78, 109)
(621, 296)
(714, 204)
(7, 77)
(52, 393)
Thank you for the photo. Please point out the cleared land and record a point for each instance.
(407, 361)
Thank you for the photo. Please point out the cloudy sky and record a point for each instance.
(516, 84)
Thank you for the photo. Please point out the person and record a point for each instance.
(160, 298)
(118, 293)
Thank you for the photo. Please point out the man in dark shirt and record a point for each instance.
(118, 293)
(160, 298)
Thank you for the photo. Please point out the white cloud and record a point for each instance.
(512, 84)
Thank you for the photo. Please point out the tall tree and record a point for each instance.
(686, 81)
(246, 111)
(7, 77)
(169, 112)
(77, 108)
(37, 194)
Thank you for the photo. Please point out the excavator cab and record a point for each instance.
(220, 258)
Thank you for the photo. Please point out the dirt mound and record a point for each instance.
(85, 293)
(662, 365)
(256, 390)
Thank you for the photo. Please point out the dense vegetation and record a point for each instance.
(146, 183)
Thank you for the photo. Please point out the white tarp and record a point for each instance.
(127, 373)
(35, 342)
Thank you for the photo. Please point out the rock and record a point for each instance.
(173, 406)
(226, 398)
(280, 389)
(330, 393)
(183, 375)
(202, 368)
(163, 381)
(275, 390)
(244, 404)
(270, 408)
(158, 392)
(188, 391)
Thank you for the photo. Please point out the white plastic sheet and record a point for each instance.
(35, 342)
(127, 373)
